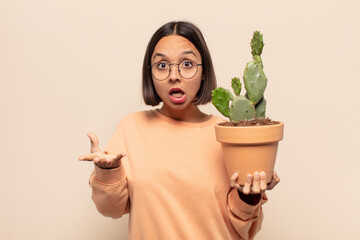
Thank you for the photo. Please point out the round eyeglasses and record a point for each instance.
(161, 70)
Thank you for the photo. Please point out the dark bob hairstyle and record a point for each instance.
(193, 34)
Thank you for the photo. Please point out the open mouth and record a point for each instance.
(176, 92)
(177, 95)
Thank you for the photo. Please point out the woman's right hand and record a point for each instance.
(100, 158)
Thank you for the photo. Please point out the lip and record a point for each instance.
(178, 100)
(176, 89)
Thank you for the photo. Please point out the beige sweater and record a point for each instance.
(173, 182)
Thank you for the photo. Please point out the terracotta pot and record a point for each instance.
(249, 149)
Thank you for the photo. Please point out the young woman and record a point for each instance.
(164, 166)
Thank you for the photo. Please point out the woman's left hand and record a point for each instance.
(255, 183)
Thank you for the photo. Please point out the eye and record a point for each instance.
(187, 64)
(161, 65)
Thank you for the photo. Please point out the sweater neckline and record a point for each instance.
(171, 121)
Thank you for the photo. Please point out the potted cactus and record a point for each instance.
(249, 140)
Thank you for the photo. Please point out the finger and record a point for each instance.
(94, 142)
(263, 185)
(256, 183)
(246, 189)
(274, 181)
(233, 179)
(118, 157)
(88, 157)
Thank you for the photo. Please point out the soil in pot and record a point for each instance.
(250, 123)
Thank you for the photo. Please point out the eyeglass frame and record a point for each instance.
(178, 67)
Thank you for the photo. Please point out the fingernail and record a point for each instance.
(81, 158)
(248, 177)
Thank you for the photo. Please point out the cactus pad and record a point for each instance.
(257, 43)
(241, 109)
(260, 108)
(255, 81)
(236, 85)
(220, 98)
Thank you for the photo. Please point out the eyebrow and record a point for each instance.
(184, 53)
(158, 54)
(189, 52)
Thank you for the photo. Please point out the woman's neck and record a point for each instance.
(190, 114)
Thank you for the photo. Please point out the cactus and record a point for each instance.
(252, 104)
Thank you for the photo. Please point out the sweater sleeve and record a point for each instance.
(245, 218)
(109, 186)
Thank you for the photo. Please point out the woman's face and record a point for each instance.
(176, 49)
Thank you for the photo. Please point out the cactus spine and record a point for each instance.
(252, 104)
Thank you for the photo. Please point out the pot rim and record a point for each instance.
(249, 135)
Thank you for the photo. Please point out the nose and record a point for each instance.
(174, 72)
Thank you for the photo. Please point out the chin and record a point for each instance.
(177, 106)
